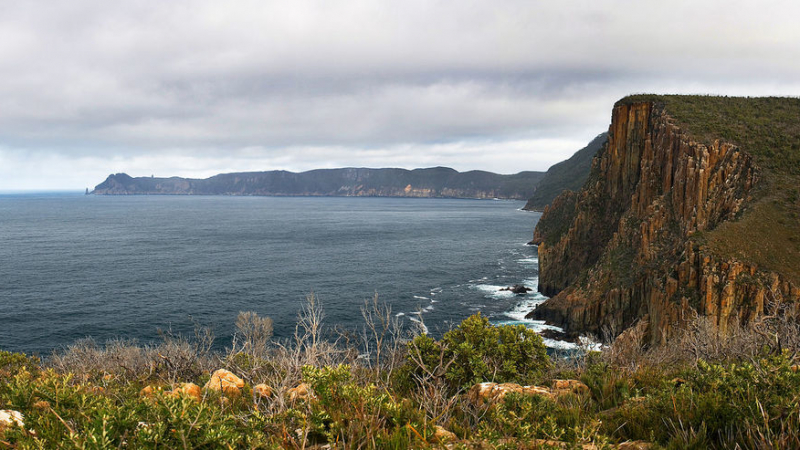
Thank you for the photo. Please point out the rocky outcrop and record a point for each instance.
(346, 182)
(629, 244)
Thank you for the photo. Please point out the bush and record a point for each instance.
(476, 351)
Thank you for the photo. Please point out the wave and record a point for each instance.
(493, 291)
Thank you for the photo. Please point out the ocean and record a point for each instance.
(75, 266)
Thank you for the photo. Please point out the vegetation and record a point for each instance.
(704, 391)
(566, 175)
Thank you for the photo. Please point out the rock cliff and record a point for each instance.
(432, 182)
(640, 240)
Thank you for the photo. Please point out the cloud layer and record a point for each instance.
(196, 88)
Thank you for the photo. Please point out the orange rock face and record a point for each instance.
(621, 249)
(226, 382)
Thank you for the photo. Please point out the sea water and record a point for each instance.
(75, 266)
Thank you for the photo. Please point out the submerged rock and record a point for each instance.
(517, 289)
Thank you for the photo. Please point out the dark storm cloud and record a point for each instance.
(196, 88)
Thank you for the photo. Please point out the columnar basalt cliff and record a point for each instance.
(631, 244)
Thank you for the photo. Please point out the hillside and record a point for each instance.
(690, 208)
(566, 175)
(431, 182)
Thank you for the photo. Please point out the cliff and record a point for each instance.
(691, 208)
(566, 175)
(432, 182)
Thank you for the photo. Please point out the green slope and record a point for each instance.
(566, 175)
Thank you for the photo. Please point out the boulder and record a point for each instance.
(10, 418)
(149, 391)
(569, 386)
(188, 389)
(489, 392)
(226, 382)
(301, 392)
(440, 434)
(262, 391)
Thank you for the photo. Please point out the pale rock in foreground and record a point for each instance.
(10, 418)
(226, 382)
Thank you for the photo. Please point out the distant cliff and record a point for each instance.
(691, 208)
(432, 182)
(566, 175)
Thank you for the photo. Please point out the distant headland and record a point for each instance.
(344, 182)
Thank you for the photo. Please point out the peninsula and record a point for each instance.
(358, 182)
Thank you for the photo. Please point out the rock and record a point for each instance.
(149, 391)
(517, 289)
(262, 391)
(634, 445)
(570, 386)
(301, 392)
(188, 389)
(10, 418)
(489, 392)
(226, 382)
(442, 435)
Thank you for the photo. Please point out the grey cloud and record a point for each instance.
(137, 82)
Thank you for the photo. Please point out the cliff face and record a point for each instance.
(432, 182)
(630, 244)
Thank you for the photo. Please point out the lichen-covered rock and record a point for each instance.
(188, 389)
(570, 386)
(489, 392)
(301, 392)
(150, 391)
(10, 418)
(226, 382)
(262, 391)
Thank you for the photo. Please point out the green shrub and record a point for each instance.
(476, 351)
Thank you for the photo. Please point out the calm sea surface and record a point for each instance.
(73, 266)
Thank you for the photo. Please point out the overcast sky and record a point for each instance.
(89, 88)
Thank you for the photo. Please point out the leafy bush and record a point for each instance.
(476, 351)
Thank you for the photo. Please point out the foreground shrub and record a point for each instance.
(477, 351)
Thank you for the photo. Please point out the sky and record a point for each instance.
(196, 88)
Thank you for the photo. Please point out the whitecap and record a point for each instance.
(419, 297)
(493, 291)
(400, 314)
(419, 322)
(428, 308)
